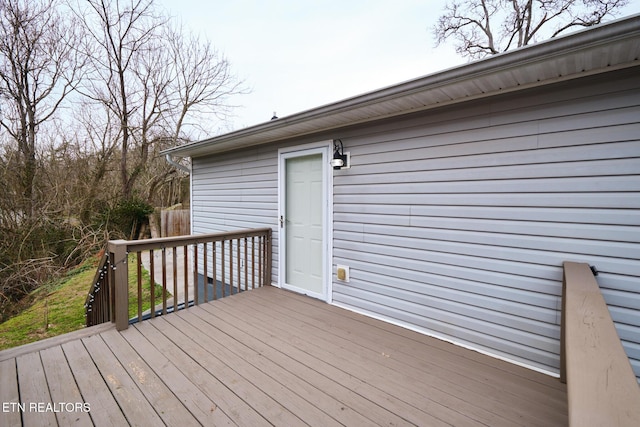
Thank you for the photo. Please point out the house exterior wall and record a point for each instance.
(236, 191)
(455, 222)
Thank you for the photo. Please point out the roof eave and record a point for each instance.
(466, 82)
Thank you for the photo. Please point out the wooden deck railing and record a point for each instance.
(602, 389)
(193, 269)
(97, 306)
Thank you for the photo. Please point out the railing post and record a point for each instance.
(120, 283)
(269, 255)
(563, 325)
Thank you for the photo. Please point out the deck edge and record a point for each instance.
(14, 352)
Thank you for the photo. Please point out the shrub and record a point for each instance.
(127, 216)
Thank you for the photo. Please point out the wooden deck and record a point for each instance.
(268, 357)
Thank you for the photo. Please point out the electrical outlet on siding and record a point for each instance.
(342, 272)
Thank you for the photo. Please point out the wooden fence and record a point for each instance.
(175, 222)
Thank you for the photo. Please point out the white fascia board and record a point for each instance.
(622, 36)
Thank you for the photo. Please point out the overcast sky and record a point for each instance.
(295, 55)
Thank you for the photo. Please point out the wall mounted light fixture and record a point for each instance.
(340, 160)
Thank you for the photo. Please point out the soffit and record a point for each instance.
(602, 49)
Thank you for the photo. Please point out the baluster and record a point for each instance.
(206, 272)
(139, 279)
(195, 275)
(269, 256)
(222, 266)
(186, 276)
(246, 265)
(175, 279)
(230, 267)
(238, 263)
(214, 268)
(164, 281)
(260, 255)
(152, 285)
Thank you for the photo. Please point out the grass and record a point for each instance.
(58, 307)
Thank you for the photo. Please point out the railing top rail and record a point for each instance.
(175, 241)
(601, 386)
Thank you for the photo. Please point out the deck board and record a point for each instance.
(32, 384)
(293, 405)
(135, 407)
(226, 402)
(414, 408)
(458, 380)
(194, 400)
(377, 367)
(279, 371)
(166, 404)
(371, 398)
(262, 402)
(9, 392)
(103, 404)
(306, 368)
(271, 357)
(63, 388)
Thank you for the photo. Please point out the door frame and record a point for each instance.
(324, 148)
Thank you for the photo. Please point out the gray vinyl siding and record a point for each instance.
(457, 222)
(236, 191)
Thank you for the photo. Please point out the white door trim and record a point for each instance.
(324, 148)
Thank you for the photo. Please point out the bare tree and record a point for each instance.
(487, 27)
(37, 72)
(119, 32)
(71, 149)
(152, 79)
(200, 86)
(203, 83)
(96, 143)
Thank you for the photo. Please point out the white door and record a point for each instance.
(302, 222)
